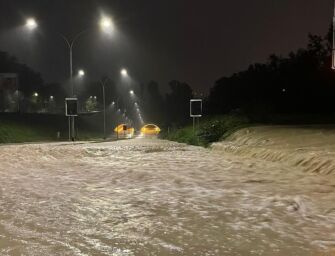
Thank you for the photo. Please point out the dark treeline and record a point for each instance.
(172, 109)
(32, 81)
(302, 83)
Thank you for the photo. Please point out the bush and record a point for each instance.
(211, 130)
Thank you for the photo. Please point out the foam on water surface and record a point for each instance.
(153, 197)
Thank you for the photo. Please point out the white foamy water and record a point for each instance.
(153, 197)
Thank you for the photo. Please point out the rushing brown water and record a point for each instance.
(153, 197)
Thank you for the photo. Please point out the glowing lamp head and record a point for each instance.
(81, 73)
(31, 24)
(35, 94)
(131, 92)
(124, 72)
(106, 24)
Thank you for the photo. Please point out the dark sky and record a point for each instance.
(194, 41)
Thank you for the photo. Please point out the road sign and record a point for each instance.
(196, 108)
(71, 107)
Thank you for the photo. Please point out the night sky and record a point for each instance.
(190, 40)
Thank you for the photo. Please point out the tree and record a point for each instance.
(178, 102)
(29, 80)
(300, 83)
(153, 103)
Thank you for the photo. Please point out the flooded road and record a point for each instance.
(153, 197)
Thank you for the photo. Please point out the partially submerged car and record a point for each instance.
(124, 131)
(150, 129)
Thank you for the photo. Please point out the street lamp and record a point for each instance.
(31, 23)
(124, 72)
(81, 73)
(131, 92)
(106, 24)
(35, 94)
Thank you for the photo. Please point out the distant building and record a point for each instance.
(9, 92)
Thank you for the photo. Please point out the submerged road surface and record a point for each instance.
(153, 197)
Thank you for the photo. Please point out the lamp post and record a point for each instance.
(106, 26)
(103, 85)
(333, 51)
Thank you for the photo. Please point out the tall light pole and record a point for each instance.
(106, 26)
(70, 43)
(333, 52)
(103, 85)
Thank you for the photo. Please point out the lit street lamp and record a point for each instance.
(31, 23)
(81, 73)
(124, 72)
(106, 25)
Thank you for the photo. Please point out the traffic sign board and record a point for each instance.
(71, 107)
(196, 108)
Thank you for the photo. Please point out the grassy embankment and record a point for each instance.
(216, 128)
(210, 130)
(38, 128)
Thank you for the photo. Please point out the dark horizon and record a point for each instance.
(183, 40)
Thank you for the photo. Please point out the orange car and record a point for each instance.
(150, 129)
(123, 131)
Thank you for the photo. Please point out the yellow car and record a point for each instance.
(150, 129)
(123, 131)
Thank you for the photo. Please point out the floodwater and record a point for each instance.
(153, 197)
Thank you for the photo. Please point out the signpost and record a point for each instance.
(195, 110)
(71, 111)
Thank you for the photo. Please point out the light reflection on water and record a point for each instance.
(152, 197)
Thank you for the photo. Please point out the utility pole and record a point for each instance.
(333, 52)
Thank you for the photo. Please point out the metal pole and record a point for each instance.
(72, 88)
(71, 71)
(193, 124)
(117, 124)
(104, 100)
(333, 52)
(70, 45)
(69, 128)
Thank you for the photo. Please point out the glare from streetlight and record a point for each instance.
(106, 24)
(131, 92)
(51, 97)
(124, 72)
(31, 24)
(81, 73)
(35, 94)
